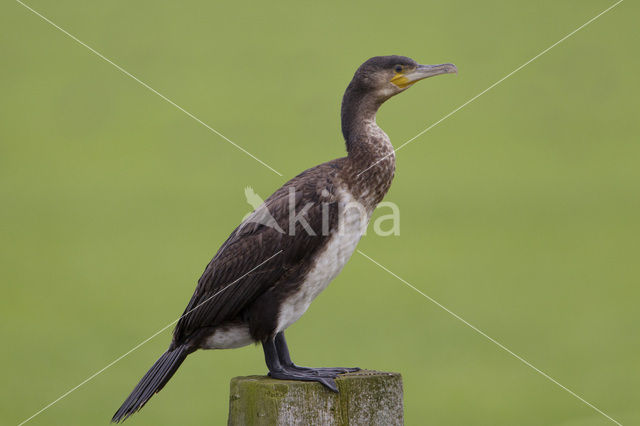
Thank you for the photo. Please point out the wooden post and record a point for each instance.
(366, 398)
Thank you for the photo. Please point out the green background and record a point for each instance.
(519, 213)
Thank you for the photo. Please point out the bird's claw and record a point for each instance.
(326, 380)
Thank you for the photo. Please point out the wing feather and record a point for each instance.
(256, 256)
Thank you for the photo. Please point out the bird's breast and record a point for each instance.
(353, 218)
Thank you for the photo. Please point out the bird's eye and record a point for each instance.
(398, 68)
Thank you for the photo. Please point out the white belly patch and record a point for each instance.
(352, 223)
(229, 336)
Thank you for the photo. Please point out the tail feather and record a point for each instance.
(152, 382)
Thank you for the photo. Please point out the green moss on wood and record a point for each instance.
(365, 397)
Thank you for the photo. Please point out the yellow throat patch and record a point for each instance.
(401, 81)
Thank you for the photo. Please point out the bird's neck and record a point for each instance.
(370, 153)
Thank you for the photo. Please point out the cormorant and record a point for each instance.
(269, 270)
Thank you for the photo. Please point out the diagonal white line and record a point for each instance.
(150, 88)
(492, 340)
(91, 377)
(494, 84)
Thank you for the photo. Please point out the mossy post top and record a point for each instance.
(366, 397)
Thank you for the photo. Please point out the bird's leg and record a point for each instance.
(279, 371)
(285, 359)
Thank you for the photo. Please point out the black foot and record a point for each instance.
(284, 359)
(326, 380)
(280, 366)
(324, 371)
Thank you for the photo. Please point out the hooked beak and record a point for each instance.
(421, 72)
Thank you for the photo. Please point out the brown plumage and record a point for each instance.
(268, 271)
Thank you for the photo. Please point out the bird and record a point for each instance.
(266, 274)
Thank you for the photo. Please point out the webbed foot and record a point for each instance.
(305, 376)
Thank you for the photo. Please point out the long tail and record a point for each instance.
(152, 382)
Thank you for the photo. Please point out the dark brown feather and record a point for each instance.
(251, 244)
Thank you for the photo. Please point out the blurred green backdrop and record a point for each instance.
(519, 213)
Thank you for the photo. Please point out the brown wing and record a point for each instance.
(261, 250)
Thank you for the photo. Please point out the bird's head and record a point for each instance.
(386, 76)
